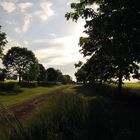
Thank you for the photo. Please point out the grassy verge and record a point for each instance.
(84, 113)
(26, 94)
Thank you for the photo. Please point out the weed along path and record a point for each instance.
(23, 110)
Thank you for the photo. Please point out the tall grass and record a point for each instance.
(83, 116)
(63, 117)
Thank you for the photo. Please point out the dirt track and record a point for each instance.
(25, 109)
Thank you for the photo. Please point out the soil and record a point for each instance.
(23, 110)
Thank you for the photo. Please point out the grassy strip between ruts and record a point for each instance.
(27, 94)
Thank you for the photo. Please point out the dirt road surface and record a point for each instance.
(23, 110)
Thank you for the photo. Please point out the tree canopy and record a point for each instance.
(19, 60)
(42, 73)
(113, 31)
(3, 41)
(52, 75)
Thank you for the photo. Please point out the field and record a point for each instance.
(10, 99)
(79, 113)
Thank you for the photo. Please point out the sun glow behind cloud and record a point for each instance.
(42, 28)
(65, 48)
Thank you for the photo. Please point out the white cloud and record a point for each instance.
(11, 43)
(52, 35)
(26, 43)
(24, 6)
(17, 30)
(46, 7)
(27, 22)
(8, 6)
(62, 51)
(45, 12)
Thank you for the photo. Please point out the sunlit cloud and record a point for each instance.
(17, 30)
(52, 35)
(24, 6)
(37, 26)
(62, 50)
(46, 10)
(11, 43)
(27, 22)
(8, 6)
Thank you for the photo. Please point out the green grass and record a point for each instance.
(132, 87)
(85, 113)
(10, 99)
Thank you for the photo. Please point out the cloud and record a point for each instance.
(66, 48)
(24, 6)
(45, 12)
(17, 30)
(27, 22)
(8, 6)
(52, 35)
(11, 43)
(46, 7)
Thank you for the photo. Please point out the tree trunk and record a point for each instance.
(120, 82)
(19, 79)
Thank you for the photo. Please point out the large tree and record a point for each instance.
(3, 74)
(33, 72)
(42, 73)
(52, 75)
(113, 32)
(3, 41)
(19, 60)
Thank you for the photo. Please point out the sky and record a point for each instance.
(41, 26)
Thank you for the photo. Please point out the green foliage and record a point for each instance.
(112, 38)
(29, 84)
(42, 74)
(19, 60)
(10, 87)
(3, 74)
(52, 75)
(81, 75)
(32, 73)
(3, 41)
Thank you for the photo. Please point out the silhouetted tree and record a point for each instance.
(3, 41)
(32, 73)
(68, 79)
(112, 32)
(81, 75)
(60, 76)
(3, 74)
(19, 60)
(42, 74)
(52, 75)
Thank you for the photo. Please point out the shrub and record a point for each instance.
(10, 87)
(29, 84)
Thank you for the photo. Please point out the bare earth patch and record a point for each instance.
(23, 110)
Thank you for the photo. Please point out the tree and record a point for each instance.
(32, 73)
(60, 76)
(42, 73)
(81, 75)
(52, 75)
(112, 33)
(3, 41)
(68, 79)
(19, 60)
(3, 74)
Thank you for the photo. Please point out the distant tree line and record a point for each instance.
(21, 63)
(112, 42)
